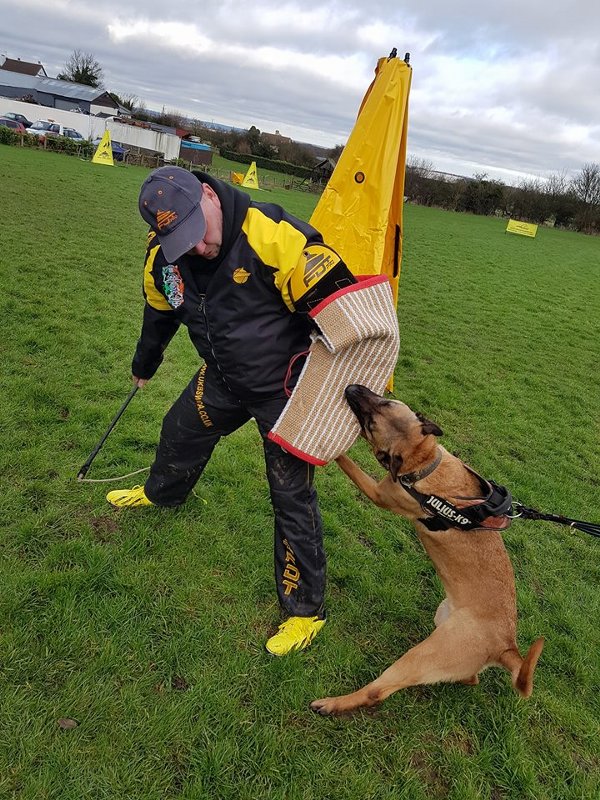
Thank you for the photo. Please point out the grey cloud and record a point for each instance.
(542, 70)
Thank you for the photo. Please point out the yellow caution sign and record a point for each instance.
(251, 179)
(524, 228)
(103, 154)
(237, 178)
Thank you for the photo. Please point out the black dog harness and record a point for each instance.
(442, 514)
(496, 503)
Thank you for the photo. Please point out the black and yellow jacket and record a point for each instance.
(245, 311)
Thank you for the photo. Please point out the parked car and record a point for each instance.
(70, 133)
(44, 128)
(12, 123)
(18, 118)
(39, 128)
(119, 152)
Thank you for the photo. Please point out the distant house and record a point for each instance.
(54, 93)
(23, 67)
(275, 140)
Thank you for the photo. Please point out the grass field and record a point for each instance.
(300, 203)
(148, 628)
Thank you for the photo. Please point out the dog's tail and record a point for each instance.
(522, 669)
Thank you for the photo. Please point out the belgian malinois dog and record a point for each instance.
(476, 622)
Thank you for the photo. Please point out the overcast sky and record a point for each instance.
(509, 88)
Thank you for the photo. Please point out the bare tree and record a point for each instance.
(295, 153)
(140, 111)
(562, 203)
(242, 146)
(419, 171)
(586, 184)
(82, 68)
(530, 200)
(171, 118)
(420, 166)
(128, 101)
(336, 152)
(556, 184)
(586, 187)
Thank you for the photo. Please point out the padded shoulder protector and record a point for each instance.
(319, 273)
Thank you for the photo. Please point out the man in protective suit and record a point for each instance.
(242, 276)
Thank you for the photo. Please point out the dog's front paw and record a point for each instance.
(325, 706)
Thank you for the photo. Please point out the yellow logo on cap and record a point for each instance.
(240, 275)
(164, 218)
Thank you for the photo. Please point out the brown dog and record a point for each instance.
(476, 622)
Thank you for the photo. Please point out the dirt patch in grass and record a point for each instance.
(437, 785)
(458, 740)
(104, 528)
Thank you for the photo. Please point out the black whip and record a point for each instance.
(82, 472)
(522, 512)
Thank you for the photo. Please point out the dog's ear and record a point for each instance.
(395, 467)
(428, 426)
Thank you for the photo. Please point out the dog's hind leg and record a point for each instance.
(451, 653)
(522, 669)
(441, 615)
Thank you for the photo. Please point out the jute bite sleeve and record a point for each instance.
(357, 342)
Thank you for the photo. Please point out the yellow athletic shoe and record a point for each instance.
(295, 633)
(129, 498)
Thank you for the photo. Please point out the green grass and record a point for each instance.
(148, 628)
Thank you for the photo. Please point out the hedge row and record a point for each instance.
(58, 143)
(11, 136)
(268, 163)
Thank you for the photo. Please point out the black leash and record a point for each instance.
(83, 471)
(522, 512)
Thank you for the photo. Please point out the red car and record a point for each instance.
(17, 117)
(12, 123)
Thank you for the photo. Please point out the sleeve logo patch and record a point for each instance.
(315, 262)
(173, 285)
(319, 260)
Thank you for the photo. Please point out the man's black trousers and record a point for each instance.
(206, 411)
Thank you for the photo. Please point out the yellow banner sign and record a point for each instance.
(524, 228)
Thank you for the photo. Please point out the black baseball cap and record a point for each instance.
(170, 203)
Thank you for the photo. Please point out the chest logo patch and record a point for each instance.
(240, 275)
(173, 285)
